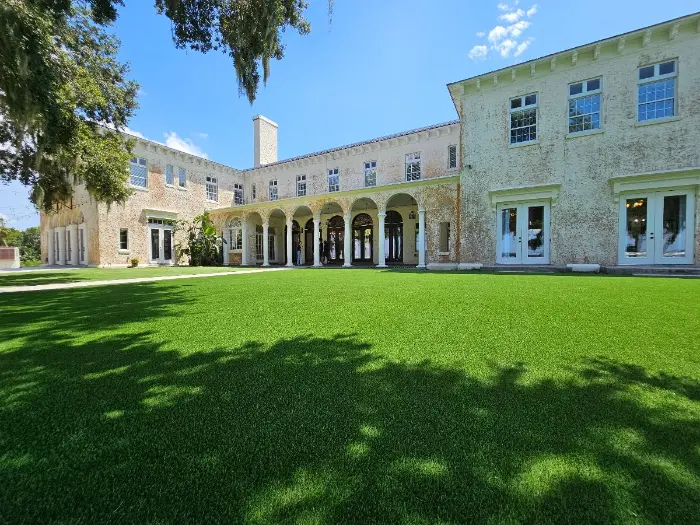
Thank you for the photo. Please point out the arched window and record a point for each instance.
(362, 236)
(235, 234)
(393, 237)
(336, 238)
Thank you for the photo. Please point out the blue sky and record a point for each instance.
(381, 67)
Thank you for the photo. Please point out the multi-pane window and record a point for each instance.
(169, 174)
(333, 180)
(523, 119)
(235, 239)
(301, 185)
(212, 189)
(657, 91)
(584, 105)
(138, 172)
(412, 166)
(371, 173)
(238, 194)
(253, 191)
(181, 177)
(444, 236)
(273, 190)
(451, 157)
(123, 239)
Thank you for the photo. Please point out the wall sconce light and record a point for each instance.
(412, 215)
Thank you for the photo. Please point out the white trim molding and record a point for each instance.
(656, 180)
(159, 214)
(537, 192)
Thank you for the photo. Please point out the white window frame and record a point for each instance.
(370, 173)
(273, 190)
(301, 185)
(585, 93)
(138, 163)
(333, 180)
(235, 239)
(181, 177)
(127, 238)
(522, 108)
(450, 149)
(212, 188)
(238, 196)
(414, 167)
(169, 175)
(657, 77)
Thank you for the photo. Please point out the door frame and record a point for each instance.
(522, 207)
(655, 199)
(161, 245)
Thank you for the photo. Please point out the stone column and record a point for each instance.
(381, 235)
(421, 238)
(226, 246)
(49, 246)
(317, 230)
(73, 229)
(266, 243)
(61, 245)
(347, 242)
(244, 243)
(290, 248)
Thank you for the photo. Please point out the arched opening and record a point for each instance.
(296, 239)
(363, 238)
(336, 239)
(309, 241)
(393, 237)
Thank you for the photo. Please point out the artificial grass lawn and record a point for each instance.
(36, 277)
(353, 397)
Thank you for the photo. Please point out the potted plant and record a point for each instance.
(134, 262)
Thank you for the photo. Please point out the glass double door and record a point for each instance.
(161, 245)
(523, 233)
(657, 228)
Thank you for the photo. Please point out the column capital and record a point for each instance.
(72, 227)
(421, 210)
(290, 222)
(266, 223)
(381, 213)
(60, 228)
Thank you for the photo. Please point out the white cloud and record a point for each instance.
(506, 40)
(522, 47)
(478, 52)
(513, 16)
(202, 135)
(172, 140)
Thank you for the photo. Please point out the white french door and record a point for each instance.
(523, 233)
(160, 244)
(657, 227)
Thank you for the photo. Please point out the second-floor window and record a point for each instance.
(138, 172)
(181, 177)
(169, 175)
(371, 173)
(238, 194)
(273, 190)
(657, 91)
(523, 119)
(333, 180)
(413, 166)
(584, 105)
(301, 185)
(212, 189)
(451, 157)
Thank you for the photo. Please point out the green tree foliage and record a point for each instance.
(202, 246)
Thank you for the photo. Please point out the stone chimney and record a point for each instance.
(264, 141)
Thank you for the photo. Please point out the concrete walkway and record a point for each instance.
(84, 284)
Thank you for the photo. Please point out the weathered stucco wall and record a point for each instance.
(158, 197)
(584, 219)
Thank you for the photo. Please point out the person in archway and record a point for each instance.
(299, 254)
(326, 252)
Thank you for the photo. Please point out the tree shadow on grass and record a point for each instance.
(321, 429)
(38, 277)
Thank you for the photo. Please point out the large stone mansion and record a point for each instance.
(589, 156)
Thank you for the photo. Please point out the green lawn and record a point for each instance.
(34, 277)
(360, 396)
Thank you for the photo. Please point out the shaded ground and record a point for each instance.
(441, 398)
(35, 277)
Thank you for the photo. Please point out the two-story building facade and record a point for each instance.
(588, 156)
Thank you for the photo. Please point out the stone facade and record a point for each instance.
(473, 194)
(580, 168)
